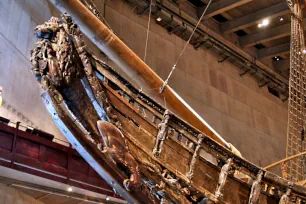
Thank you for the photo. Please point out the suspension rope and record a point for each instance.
(297, 94)
(179, 57)
(148, 31)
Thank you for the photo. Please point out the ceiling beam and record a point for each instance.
(282, 65)
(265, 35)
(273, 51)
(254, 18)
(220, 7)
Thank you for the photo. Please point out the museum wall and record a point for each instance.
(247, 116)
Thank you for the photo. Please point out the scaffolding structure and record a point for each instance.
(297, 95)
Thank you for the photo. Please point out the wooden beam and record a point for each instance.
(284, 160)
(254, 18)
(282, 65)
(265, 35)
(220, 7)
(273, 51)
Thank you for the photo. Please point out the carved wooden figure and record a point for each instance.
(115, 146)
(285, 198)
(195, 157)
(162, 134)
(225, 171)
(256, 188)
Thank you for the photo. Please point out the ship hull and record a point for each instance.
(144, 151)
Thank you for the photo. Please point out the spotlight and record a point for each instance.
(304, 51)
(107, 198)
(265, 22)
(281, 18)
(69, 189)
(159, 19)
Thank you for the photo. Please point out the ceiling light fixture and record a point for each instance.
(265, 22)
(159, 19)
(69, 189)
(281, 18)
(107, 198)
(304, 51)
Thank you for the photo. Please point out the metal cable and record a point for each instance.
(179, 57)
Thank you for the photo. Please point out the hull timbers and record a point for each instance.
(145, 152)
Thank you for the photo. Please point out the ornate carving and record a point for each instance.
(54, 56)
(256, 188)
(194, 157)
(285, 174)
(285, 198)
(162, 134)
(115, 147)
(59, 60)
(225, 171)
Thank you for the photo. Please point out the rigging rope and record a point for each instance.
(148, 31)
(297, 93)
(179, 57)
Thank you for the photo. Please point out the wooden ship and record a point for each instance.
(147, 153)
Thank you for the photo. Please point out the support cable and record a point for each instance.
(179, 57)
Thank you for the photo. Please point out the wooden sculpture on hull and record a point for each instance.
(144, 151)
(60, 63)
(114, 144)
